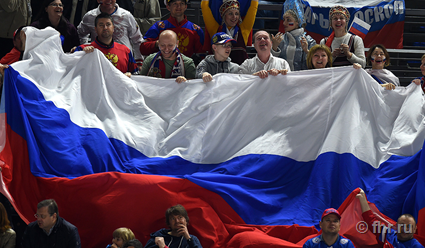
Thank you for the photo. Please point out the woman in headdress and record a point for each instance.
(232, 24)
(346, 48)
(293, 45)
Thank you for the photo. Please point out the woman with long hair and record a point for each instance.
(53, 16)
(7, 235)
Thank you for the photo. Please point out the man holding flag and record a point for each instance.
(169, 62)
(406, 227)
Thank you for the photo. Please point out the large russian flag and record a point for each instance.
(385, 17)
(255, 162)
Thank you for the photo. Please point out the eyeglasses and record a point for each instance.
(41, 216)
(56, 5)
(227, 45)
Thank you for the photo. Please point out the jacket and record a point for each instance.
(13, 14)
(172, 241)
(212, 66)
(63, 235)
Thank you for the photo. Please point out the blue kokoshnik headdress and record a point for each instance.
(296, 7)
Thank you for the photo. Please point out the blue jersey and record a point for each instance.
(392, 241)
(318, 242)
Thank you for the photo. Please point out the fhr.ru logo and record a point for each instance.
(378, 227)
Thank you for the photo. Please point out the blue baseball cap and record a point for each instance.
(222, 38)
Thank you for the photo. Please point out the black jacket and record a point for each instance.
(172, 241)
(63, 235)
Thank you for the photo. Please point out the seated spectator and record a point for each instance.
(126, 31)
(264, 62)
(50, 230)
(134, 243)
(169, 62)
(220, 62)
(18, 50)
(346, 48)
(330, 225)
(319, 56)
(387, 236)
(7, 235)
(232, 24)
(119, 55)
(190, 35)
(294, 44)
(121, 236)
(52, 16)
(379, 58)
(421, 80)
(177, 235)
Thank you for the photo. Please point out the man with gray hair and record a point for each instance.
(50, 230)
(264, 63)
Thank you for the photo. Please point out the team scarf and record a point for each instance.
(292, 45)
(224, 28)
(330, 39)
(157, 67)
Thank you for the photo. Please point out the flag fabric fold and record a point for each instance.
(252, 160)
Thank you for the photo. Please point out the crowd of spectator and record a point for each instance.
(136, 41)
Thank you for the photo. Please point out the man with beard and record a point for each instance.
(177, 235)
(330, 225)
(264, 63)
(406, 227)
(50, 230)
(119, 55)
(169, 62)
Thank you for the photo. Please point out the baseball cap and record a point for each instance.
(222, 38)
(331, 211)
(17, 31)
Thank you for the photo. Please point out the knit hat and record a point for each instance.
(338, 9)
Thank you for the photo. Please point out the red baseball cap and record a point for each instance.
(331, 211)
